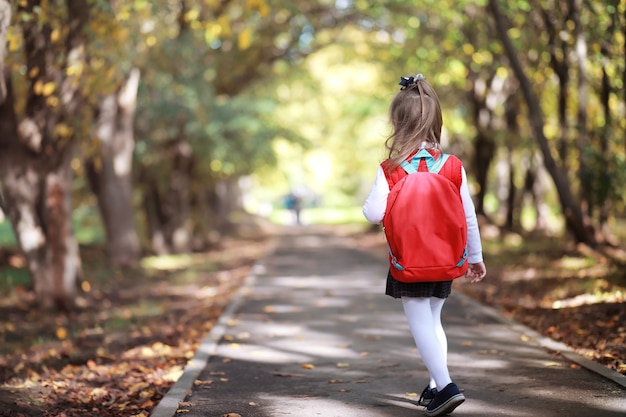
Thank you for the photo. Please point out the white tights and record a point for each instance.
(424, 317)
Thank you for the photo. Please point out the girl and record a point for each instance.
(417, 121)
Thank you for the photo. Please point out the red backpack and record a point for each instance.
(424, 221)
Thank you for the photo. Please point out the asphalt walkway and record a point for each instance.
(312, 334)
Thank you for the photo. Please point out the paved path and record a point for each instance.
(312, 334)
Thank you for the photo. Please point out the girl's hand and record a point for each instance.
(476, 272)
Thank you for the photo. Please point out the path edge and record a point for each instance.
(170, 402)
(546, 342)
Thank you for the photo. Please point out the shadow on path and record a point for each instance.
(314, 335)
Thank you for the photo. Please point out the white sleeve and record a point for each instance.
(474, 246)
(376, 202)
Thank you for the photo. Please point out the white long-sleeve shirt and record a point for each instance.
(376, 203)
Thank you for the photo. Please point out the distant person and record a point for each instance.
(294, 204)
(414, 146)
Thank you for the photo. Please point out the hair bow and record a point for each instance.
(405, 82)
(408, 81)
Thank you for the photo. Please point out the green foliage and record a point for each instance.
(7, 237)
(295, 93)
(606, 178)
(230, 136)
(322, 215)
(13, 277)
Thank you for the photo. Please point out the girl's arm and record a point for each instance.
(474, 246)
(376, 202)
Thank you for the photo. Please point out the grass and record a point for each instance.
(85, 220)
(12, 277)
(89, 231)
(7, 238)
(321, 215)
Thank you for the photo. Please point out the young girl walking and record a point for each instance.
(417, 121)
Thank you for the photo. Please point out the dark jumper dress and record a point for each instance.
(397, 289)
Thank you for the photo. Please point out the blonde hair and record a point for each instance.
(416, 117)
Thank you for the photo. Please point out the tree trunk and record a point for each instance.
(484, 152)
(168, 207)
(37, 200)
(571, 210)
(155, 218)
(624, 72)
(62, 248)
(605, 133)
(509, 222)
(110, 173)
(229, 200)
(176, 204)
(582, 133)
(39, 207)
(484, 144)
(5, 21)
(35, 159)
(533, 185)
(561, 69)
(514, 207)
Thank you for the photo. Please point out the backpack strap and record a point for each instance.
(432, 165)
(453, 171)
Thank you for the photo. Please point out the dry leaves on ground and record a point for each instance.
(121, 352)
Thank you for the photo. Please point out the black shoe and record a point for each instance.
(427, 396)
(445, 401)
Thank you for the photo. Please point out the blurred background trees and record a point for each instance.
(163, 123)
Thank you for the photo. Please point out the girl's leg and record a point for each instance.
(436, 305)
(422, 324)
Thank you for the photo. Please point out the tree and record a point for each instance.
(569, 206)
(203, 129)
(5, 21)
(37, 147)
(110, 171)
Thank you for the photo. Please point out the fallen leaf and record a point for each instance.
(61, 333)
(147, 404)
(198, 382)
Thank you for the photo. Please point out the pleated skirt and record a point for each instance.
(397, 289)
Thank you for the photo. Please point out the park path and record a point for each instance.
(311, 334)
